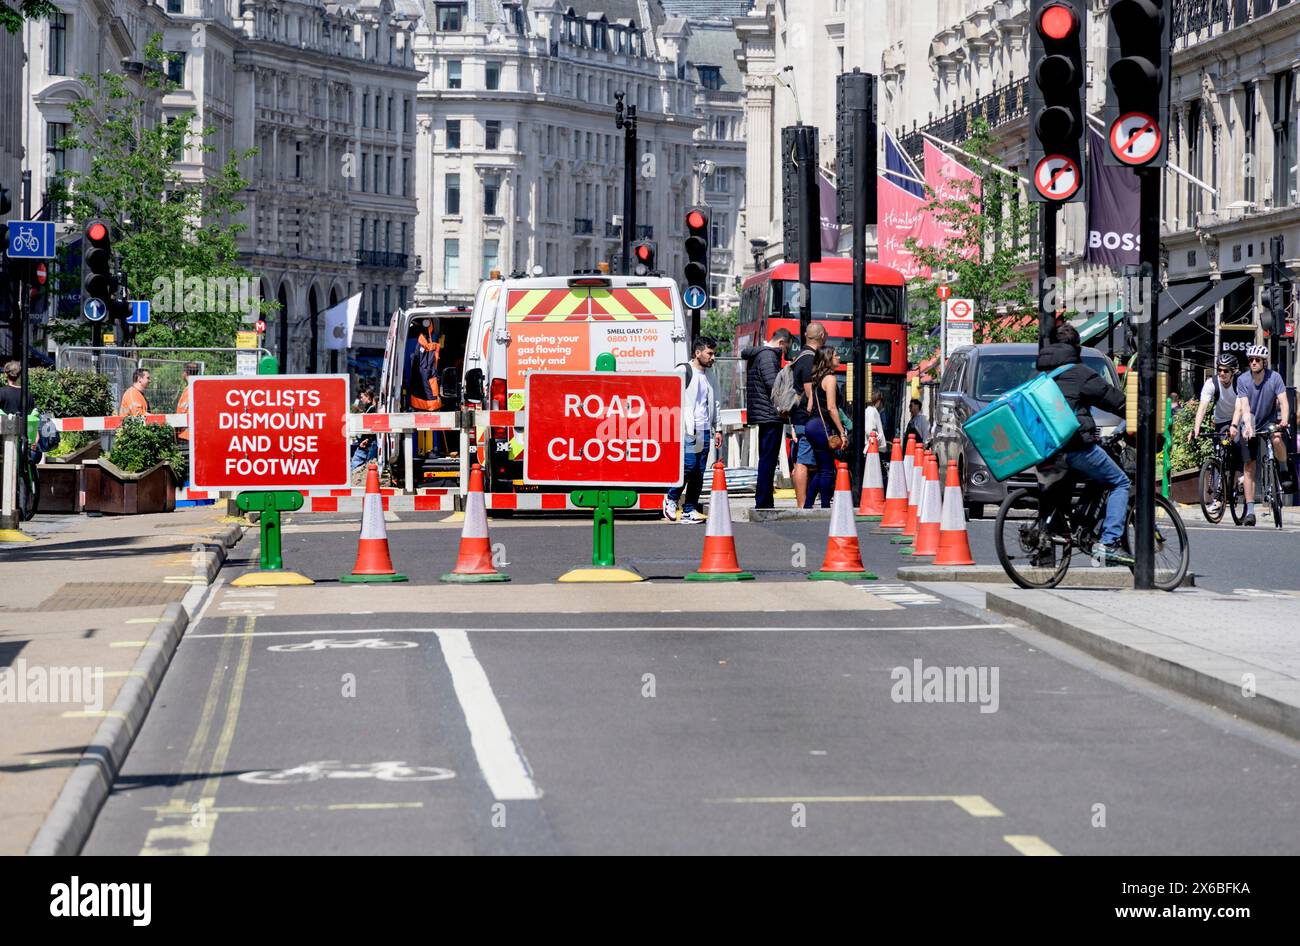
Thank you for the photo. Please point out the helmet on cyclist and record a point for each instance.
(1227, 360)
(1257, 351)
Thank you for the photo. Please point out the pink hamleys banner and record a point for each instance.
(944, 173)
(902, 215)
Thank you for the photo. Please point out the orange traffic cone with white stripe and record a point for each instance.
(474, 561)
(914, 486)
(954, 543)
(843, 560)
(374, 563)
(927, 527)
(895, 516)
(719, 562)
(873, 485)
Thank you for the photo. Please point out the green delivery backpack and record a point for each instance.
(1023, 427)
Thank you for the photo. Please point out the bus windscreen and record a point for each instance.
(833, 302)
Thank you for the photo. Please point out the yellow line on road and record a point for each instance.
(974, 805)
(1031, 845)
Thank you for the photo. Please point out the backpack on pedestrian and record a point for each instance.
(784, 396)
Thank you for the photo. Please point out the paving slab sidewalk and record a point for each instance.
(90, 614)
(1238, 653)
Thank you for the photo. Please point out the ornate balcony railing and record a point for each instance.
(645, 231)
(999, 107)
(613, 231)
(581, 225)
(381, 258)
(1193, 16)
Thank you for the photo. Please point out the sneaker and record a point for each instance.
(670, 510)
(1109, 555)
(694, 517)
(1249, 520)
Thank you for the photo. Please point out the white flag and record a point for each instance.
(340, 320)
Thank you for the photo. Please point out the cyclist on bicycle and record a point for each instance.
(1261, 400)
(1222, 391)
(1084, 389)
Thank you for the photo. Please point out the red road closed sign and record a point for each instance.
(603, 429)
(269, 432)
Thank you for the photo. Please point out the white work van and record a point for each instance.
(561, 323)
(415, 378)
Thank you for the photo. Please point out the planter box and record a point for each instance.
(115, 492)
(61, 488)
(1184, 486)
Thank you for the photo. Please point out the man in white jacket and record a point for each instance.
(699, 431)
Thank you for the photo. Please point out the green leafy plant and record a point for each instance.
(71, 393)
(1184, 455)
(139, 446)
(12, 15)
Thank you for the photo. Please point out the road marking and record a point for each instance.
(165, 812)
(499, 757)
(977, 806)
(900, 594)
(1031, 845)
(143, 620)
(93, 714)
(207, 602)
(128, 643)
(605, 630)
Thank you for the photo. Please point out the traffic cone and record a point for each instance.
(927, 528)
(873, 485)
(719, 562)
(474, 561)
(843, 560)
(954, 543)
(374, 564)
(914, 486)
(895, 515)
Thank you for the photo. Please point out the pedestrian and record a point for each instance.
(191, 370)
(1261, 402)
(872, 421)
(134, 403)
(423, 383)
(801, 371)
(762, 363)
(824, 426)
(919, 424)
(699, 431)
(886, 418)
(11, 392)
(366, 447)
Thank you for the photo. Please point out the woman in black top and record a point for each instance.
(823, 420)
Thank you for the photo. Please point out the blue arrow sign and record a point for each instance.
(31, 239)
(139, 312)
(94, 309)
(695, 297)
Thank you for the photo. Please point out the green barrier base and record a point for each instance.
(843, 576)
(372, 579)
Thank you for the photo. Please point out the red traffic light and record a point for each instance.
(695, 220)
(643, 253)
(96, 231)
(1057, 22)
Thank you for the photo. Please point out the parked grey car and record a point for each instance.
(975, 376)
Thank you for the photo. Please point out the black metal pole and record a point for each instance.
(26, 274)
(1047, 273)
(1144, 569)
(861, 142)
(804, 157)
(626, 119)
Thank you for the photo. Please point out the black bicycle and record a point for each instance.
(29, 481)
(1268, 481)
(1039, 537)
(1220, 485)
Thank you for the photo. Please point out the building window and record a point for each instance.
(515, 13)
(491, 191)
(492, 139)
(58, 63)
(297, 160)
(390, 114)
(1284, 140)
(365, 172)
(175, 6)
(453, 194)
(388, 175)
(56, 156)
(491, 257)
(379, 188)
(376, 314)
(721, 181)
(402, 248)
(492, 76)
(598, 36)
(711, 78)
(453, 73)
(176, 68)
(406, 176)
(365, 110)
(453, 135)
(1194, 161)
(406, 116)
(1249, 126)
(451, 17)
(451, 264)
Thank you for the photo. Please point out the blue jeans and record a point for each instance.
(695, 462)
(823, 481)
(769, 446)
(363, 455)
(803, 451)
(1094, 463)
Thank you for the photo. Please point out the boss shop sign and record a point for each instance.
(269, 432)
(604, 429)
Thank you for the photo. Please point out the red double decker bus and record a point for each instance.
(768, 301)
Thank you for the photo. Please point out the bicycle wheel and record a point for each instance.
(1031, 557)
(1211, 490)
(1172, 552)
(1274, 490)
(29, 493)
(1236, 495)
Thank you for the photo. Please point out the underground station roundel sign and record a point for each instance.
(1057, 177)
(1135, 138)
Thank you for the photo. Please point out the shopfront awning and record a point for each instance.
(1178, 317)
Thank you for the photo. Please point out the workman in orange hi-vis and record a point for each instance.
(424, 370)
(183, 402)
(134, 403)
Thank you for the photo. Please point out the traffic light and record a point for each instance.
(97, 280)
(1139, 34)
(697, 252)
(644, 254)
(1058, 58)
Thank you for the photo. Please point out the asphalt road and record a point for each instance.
(663, 718)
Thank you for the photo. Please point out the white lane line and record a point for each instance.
(504, 767)
(594, 630)
(212, 594)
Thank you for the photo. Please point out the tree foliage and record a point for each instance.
(987, 260)
(165, 223)
(12, 15)
(721, 327)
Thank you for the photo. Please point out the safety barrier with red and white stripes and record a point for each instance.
(357, 423)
